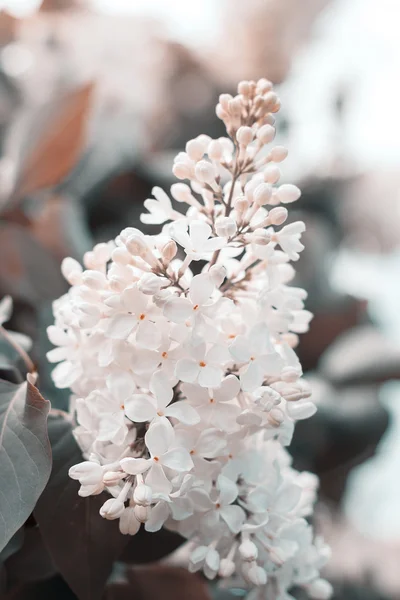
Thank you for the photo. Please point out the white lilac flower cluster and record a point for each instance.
(186, 387)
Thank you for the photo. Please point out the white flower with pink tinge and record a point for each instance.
(257, 357)
(198, 243)
(135, 312)
(160, 442)
(144, 407)
(203, 365)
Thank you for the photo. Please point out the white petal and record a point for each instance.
(201, 499)
(128, 523)
(210, 443)
(210, 376)
(301, 410)
(56, 335)
(159, 437)
(230, 387)
(134, 301)
(228, 490)
(199, 233)
(201, 288)
(157, 480)
(144, 361)
(183, 412)
(218, 354)
(121, 384)
(158, 515)
(212, 559)
(251, 377)
(140, 408)
(240, 349)
(148, 335)
(133, 466)
(6, 307)
(287, 498)
(160, 387)
(213, 244)
(177, 459)
(178, 310)
(187, 370)
(120, 326)
(234, 516)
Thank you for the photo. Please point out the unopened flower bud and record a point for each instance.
(215, 150)
(241, 204)
(262, 194)
(94, 279)
(264, 85)
(225, 227)
(254, 574)
(278, 215)
(261, 237)
(102, 252)
(204, 172)
(181, 192)
(288, 193)
(181, 171)
(150, 283)
(272, 174)
(301, 410)
(275, 417)
(194, 149)
(244, 88)
(235, 107)
(169, 250)
(278, 154)
(217, 274)
(224, 100)
(142, 513)
(71, 270)
(221, 113)
(121, 256)
(320, 589)
(248, 550)
(270, 100)
(87, 473)
(244, 135)
(128, 523)
(137, 246)
(113, 477)
(266, 134)
(112, 509)
(290, 374)
(143, 495)
(226, 567)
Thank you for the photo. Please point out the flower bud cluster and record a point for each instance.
(179, 351)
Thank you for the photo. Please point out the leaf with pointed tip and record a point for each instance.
(25, 454)
(59, 146)
(82, 544)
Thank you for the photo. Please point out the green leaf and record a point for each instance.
(82, 544)
(25, 454)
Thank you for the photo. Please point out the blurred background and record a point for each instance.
(97, 96)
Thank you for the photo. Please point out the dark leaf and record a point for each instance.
(51, 589)
(60, 228)
(83, 545)
(147, 547)
(32, 562)
(27, 271)
(59, 146)
(169, 583)
(13, 545)
(25, 454)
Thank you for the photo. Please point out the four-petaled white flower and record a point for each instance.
(160, 442)
(145, 407)
(257, 357)
(160, 209)
(197, 243)
(135, 312)
(203, 365)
